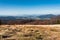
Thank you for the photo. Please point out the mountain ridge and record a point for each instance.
(29, 17)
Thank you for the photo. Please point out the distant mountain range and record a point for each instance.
(31, 19)
(48, 16)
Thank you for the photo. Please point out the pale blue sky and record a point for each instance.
(29, 7)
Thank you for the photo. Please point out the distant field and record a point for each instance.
(30, 32)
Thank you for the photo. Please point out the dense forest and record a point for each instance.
(30, 21)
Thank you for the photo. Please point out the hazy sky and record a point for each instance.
(29, 7)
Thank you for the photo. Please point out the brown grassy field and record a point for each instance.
(29, 32)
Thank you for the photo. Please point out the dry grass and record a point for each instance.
(29, 32)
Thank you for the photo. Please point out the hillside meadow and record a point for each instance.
(30, 32)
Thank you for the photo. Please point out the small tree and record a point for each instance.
(0, 22)
(58, 21)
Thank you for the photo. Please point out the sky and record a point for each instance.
(29, 7)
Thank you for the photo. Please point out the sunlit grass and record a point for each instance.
(30, 32)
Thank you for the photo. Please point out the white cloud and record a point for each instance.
(40, 11)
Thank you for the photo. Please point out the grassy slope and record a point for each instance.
(30, 32)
